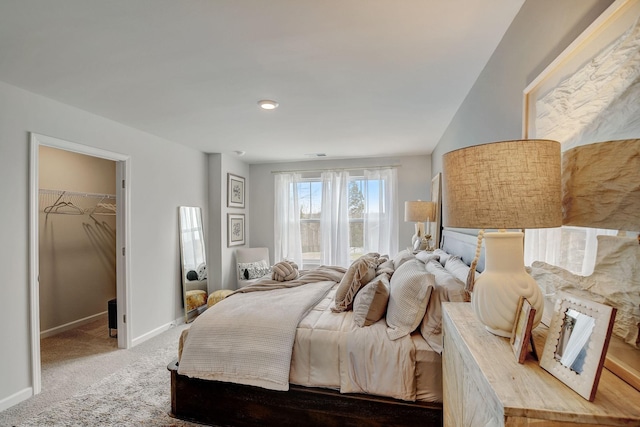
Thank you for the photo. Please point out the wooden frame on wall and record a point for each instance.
(235, 191)
(235, 229)
(436, 196)
(622, 358)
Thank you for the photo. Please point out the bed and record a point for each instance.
(336, 370)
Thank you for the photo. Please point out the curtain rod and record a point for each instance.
(338, 169)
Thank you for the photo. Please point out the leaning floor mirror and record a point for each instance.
(193, 262)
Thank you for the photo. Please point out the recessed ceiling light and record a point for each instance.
(267, 104)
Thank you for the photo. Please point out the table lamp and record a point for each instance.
(503, 185)
(419, 211)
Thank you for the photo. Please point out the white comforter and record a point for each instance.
(329, 350)
(248, 338)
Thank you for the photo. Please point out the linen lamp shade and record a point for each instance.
(503, 185)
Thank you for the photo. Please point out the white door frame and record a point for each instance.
(123, 173)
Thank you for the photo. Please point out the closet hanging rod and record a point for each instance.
(76, 193)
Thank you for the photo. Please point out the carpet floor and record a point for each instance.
(120, 387)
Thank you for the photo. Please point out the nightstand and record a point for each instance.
(485, 386)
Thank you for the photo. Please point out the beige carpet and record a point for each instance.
(88, 381)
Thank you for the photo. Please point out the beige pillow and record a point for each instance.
(453, 286)
(411, 286)
(401, 258)
(359, 273)
(370, 304)
(447, 288)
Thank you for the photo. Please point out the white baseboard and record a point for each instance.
(16, 398)
(71, 325)
(153, 333)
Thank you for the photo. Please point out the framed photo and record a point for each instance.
(577, 343)
(235, 229)
(235, 191)
(521, 334)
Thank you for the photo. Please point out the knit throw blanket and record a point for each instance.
(247, 338)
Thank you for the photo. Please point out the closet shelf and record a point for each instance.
(76, 203)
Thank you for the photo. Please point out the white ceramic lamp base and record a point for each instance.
(497, 290)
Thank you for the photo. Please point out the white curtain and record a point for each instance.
(334, 219)
(381, 211)
(574, 249)
(287, 219)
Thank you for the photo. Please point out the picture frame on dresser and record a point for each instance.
(577, 343)
(521, 334)
(235, 191)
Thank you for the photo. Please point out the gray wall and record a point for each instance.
(492, 111)
(164, 175)
(222, 262)
(414, 182)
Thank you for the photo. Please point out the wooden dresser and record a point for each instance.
(485, 386)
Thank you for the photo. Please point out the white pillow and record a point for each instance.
(444, 256)
(426, 256)
(411, 287)
(253, 270)
(458, 268)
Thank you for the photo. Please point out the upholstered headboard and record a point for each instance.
(463, 245)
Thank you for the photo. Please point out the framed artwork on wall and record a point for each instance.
(235, 191)
(235, 229)
(436, 196)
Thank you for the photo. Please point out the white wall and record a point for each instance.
(222, 256)
(164, 175)
(414, 182)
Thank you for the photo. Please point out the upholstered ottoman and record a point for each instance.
(217, 296)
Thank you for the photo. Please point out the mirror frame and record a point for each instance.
(190, 315)
(586, 382)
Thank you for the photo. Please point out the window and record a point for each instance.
(357, 210)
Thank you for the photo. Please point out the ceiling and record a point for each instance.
(353, 78)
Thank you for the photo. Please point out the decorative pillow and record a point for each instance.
(385, 267)
(195, 299)
(202, 271)
(370, 303)
(401, 258)
(454, 287)
(458, 268)
(253, 270)
(359, 273)
(444, 256)
(411, 288)
(426, 256)
(447, 288)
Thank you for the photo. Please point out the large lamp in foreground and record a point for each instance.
(503, 185)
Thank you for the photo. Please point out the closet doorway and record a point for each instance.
(78, 243)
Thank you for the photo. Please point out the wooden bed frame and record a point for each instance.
(228, 404)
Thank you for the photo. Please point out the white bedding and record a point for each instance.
(248, 338)
(331, 351)
(328, 351)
